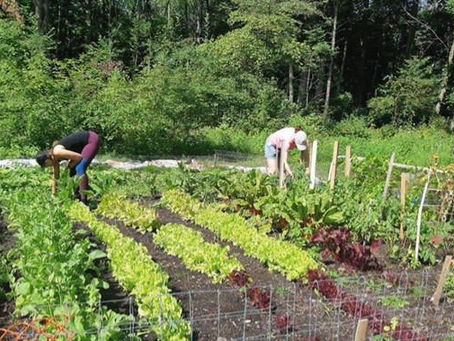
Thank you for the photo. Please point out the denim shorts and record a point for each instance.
(270, 151)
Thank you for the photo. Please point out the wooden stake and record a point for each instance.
(313, 164)
(418, 223)
(441, 281)
(388, 176)
(348, 161)
(334, 164)
(361, 330)
(403, 199)
(55, 178)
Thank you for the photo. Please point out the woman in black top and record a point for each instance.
(80, 149)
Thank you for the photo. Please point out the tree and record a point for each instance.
(408, 97)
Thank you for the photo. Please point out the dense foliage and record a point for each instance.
(191, 76)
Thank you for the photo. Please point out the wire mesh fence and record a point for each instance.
(394, 302)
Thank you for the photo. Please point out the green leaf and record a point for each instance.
(97, 254)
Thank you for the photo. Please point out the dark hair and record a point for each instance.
(41, 158)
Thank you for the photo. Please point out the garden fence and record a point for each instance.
(297, 312)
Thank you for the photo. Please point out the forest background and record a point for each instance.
(173, 77)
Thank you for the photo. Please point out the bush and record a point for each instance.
(353, 126)
(409, 97)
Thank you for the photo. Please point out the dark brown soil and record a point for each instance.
(7, 242)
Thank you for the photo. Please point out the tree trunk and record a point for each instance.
(42, 13)
(331, 63)
(207, 20)
(341, 74)
(168, 14)
(308, 87)
(291, 77)
(198, 29)
(446, 76)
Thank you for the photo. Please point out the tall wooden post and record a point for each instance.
(334, 164)
(215, 159)
(56, 176)
(441, 281)
(313, 164)
(388, 176)
(361, 330)
(403, 199)
(348, 161)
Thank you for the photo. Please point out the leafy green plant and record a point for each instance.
(450, 286)
(53, 271)
(198, 255)
(278, 255)
(4, 278)
(148, 283)
(117, 206)
(394, 302)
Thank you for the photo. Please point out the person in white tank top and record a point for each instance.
(281, 142)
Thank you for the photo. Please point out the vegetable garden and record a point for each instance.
(222, 255)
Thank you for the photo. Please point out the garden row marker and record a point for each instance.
(313, 164)
(441, 281)
(418, 224)
(361, 330)
(55, 178)
(388, 176)
(403, 198)
(348, 161)
(215, 157)
(334, 164)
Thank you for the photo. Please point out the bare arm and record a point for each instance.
(64, 154)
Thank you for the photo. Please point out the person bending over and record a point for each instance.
(279, 143)
(80, 149)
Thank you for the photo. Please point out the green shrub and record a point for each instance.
(408, 97)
